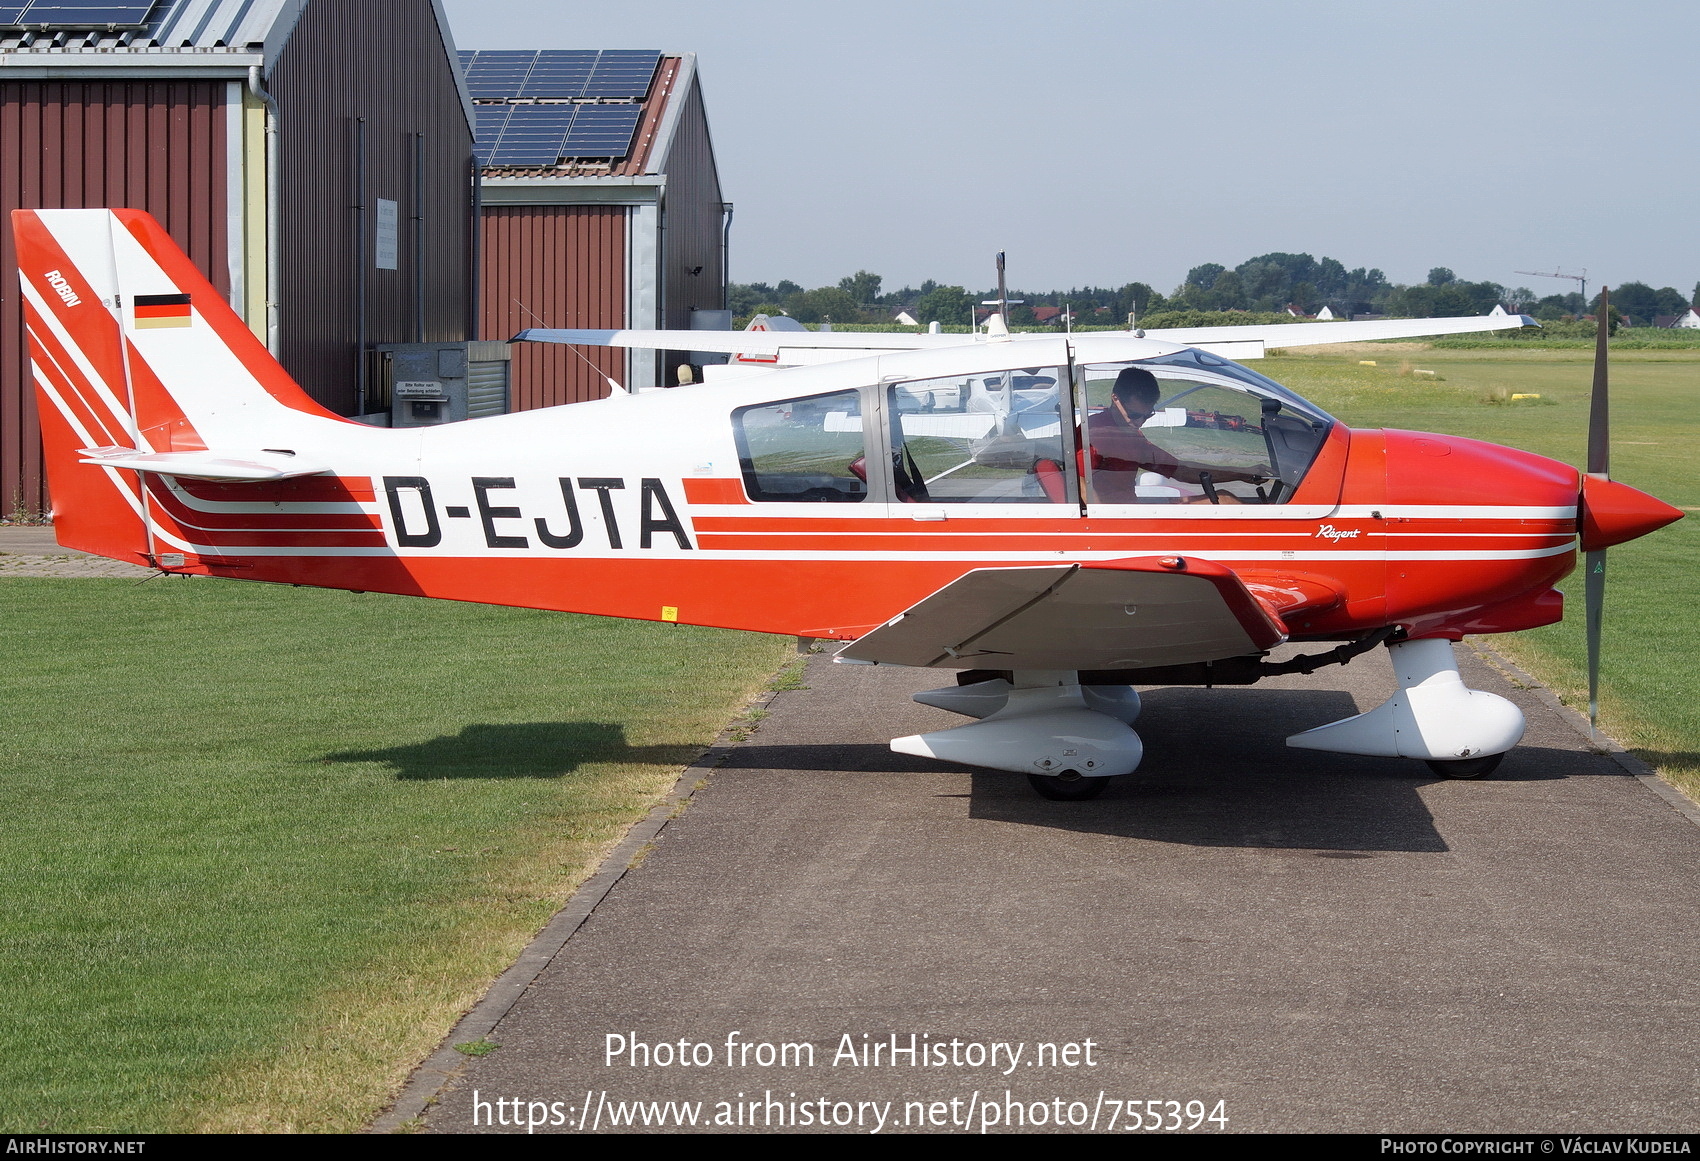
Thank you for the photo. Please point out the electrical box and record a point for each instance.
(431, 383)
(709, 320)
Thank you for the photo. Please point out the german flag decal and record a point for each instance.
(161, 310)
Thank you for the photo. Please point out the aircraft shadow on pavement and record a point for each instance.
(1217, 772)
(519, 750)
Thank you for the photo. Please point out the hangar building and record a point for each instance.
(314, 158)
(601, 208)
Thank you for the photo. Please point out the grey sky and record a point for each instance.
(1102, 143)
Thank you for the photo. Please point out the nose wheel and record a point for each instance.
(1067, 786)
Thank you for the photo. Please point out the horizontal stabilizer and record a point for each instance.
(223, 467)
(1128, 614)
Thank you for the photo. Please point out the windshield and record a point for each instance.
(1194, 359)
(1190, 428)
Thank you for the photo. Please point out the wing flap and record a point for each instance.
(1130, 614)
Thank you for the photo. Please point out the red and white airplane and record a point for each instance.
(931, 500)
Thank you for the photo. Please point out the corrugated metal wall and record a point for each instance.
(157, 146)
(349, 59)
(567, 265)
(692, 236)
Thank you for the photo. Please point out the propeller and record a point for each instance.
(1608, 513)
(1599, 468)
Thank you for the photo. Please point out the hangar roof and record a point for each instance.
(188, 38)
(173, 27)
(656, 112)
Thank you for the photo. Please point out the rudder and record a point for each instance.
(131, 347)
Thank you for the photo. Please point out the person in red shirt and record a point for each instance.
(1120, 450)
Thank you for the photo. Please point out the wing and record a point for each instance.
(773, 342)
(1316, 334)
(1130, 614)
(747, 342)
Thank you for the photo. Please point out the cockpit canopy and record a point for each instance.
(1214, 432)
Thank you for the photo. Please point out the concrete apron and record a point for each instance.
(27, 551)
(1320, 942)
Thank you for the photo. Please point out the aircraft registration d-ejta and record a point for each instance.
(1056, 518)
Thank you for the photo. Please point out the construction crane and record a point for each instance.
(1581, 278)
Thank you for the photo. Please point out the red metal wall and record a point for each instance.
(567, 266)
(157, 146)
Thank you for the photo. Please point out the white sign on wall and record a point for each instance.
(386, 234)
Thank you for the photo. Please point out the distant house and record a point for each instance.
(1047, 314)
(1664, 320)
(906, 319)
(1689, 321)
(1498, 311)
(1325, 315)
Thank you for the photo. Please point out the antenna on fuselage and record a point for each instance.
(1002, 302)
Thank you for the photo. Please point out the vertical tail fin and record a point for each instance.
(132, 348)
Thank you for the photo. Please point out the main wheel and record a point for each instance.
(1466, 767)
(1067, 786)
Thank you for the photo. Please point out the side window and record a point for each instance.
(804, 450)
(1196, 441)
(987, 438)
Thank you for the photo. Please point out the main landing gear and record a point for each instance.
(1069, 738)
(1067, 786)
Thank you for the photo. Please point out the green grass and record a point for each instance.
(263, 845)
(1650, 683)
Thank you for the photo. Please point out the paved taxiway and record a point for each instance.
(1321, 942)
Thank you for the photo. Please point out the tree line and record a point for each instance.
(1269, 284)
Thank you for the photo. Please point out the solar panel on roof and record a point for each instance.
(495, 74)
(533, 135)
(623, 74)
(491, 120)
(530, 135)
(560, 74)
(602, 131)
(70, 14)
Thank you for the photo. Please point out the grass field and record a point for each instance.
(1650, 682)
(264, 844)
